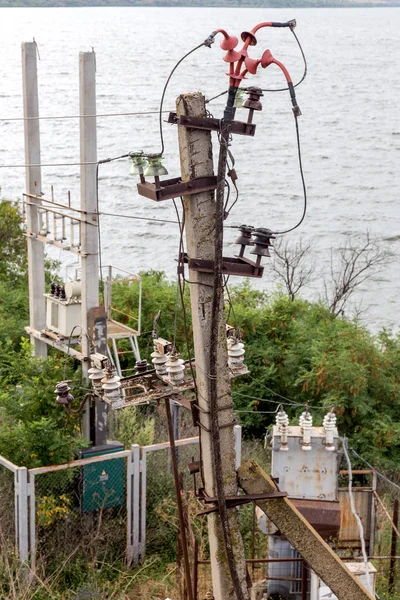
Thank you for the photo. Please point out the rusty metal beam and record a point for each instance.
(321, 558)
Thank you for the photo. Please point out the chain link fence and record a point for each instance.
(7, 507)
(81, 513)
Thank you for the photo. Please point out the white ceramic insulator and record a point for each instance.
(111, 387)
(159, 360)
(306, 426)
(282, 421)
(96, 375)
(176, 370)
(235, 353)
(329, 425)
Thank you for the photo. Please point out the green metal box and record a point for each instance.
(102, 483)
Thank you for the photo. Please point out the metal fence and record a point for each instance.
(101, 508)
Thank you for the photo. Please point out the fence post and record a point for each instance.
(143, 502)
(32, 520)
(238, 445)
(22, 525)
(132, 505)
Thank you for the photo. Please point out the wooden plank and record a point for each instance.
(321, 558)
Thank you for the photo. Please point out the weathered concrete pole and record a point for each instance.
(89, 232)
(37, 305)
(196, 161)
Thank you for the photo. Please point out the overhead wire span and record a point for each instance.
(60, 117)
(381, 475)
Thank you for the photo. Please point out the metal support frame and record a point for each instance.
(211, 124)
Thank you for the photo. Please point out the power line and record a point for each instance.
(375, 470)
(60, 117)
(138, 218)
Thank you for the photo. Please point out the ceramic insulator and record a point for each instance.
(111, 385)
(305, 422)
(282, 421)
(235, 353)
(96, 375)
(329, 425)
(159, 360)
(176, 369)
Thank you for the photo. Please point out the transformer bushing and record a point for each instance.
(329, 425)
(305, 423)
(235, 353)
(111, 385)
(95, 376)
(159, 361)
(175, 367)
(282, 421)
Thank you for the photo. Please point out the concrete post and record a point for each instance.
(37, 305)
(196, 161)
(89, 233)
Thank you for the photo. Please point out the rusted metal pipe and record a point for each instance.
(182, 526)
(394, 543)
(304, 580)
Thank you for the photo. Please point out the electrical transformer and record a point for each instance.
(305, 465)
(63, 308)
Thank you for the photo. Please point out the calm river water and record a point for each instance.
(350, 128)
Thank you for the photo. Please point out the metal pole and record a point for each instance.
(89, 233)
(304, 580)
(182, 526)
(37, 306)
(200, 218)
(393, 547)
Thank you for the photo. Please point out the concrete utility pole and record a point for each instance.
(200, 216)
(37, 305)
(89, 233)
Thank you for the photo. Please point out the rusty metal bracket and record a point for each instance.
(243, 267)
(232, 501)
(204, 428)
(211, 124)
(207, 412)
(173, 188)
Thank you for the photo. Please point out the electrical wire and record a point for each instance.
(303, 184)
(69, 345)
(355, 514)
(285, 89)
(217, 96)
(160, 111)
(56, 117)
(374, 469)
(137, 218)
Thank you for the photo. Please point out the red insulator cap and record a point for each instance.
(245, 34)
(229, 43)
(267, 59)
(231, 56)
(234, 76)
(251, 65)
